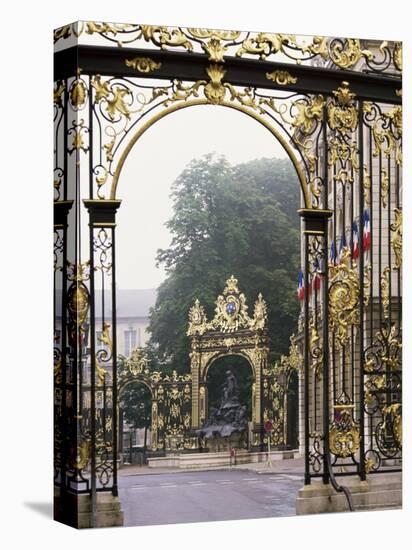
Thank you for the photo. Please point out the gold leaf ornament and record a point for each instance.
(342, 113)
(348, 54)
(308, 114)
(78, 93)
(281, 77)
(143, 64)
(214, 90)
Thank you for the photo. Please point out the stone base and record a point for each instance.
(378, 492)
(216, 460)
(76, 510)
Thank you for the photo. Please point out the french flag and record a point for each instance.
(366, 231)
(301, 286)
(332, 253)
(316, 276)
(342, 246)
(355, 243)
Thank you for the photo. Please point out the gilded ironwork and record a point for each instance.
(344, 438)
(218, 44)
(385, 290)
(343, 297)
(143, 64)
(281, 77)
(315, 350)
(346, 55)
(342, 112)
(396, 238)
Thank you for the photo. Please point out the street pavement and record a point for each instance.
(213, 495)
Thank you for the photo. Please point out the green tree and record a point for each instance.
(238, 220)
(136, 404)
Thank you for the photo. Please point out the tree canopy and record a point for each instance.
(238, 220)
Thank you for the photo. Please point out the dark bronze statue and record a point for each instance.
(230, 417)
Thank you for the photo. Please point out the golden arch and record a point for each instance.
(220, 354)
(168, 110)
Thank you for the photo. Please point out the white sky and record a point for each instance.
(154, 163)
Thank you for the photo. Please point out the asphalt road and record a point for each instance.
(216, 495)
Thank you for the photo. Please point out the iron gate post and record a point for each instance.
(316, 225)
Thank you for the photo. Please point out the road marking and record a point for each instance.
(196, 483)
(251, 479)
(226, 482)
(291, 477)
(168, 485)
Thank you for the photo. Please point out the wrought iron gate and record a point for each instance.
(335, 106)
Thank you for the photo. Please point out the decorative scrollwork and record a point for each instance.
(143, 64)
(315, 350)
(231, 313)
(342, 113)
(396, 239)
(281, 77)
(385, 290)
(294, 359)
(347, 54)
(344, 438)
(343, 53)
(343, 297)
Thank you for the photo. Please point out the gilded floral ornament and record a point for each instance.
(315, 350)
(396, 239)
(294, 360)
(143, 64)
(214, 90)
(281, 77)
(78, 131)
(385, 290)
(78, 93)
(342, 113)
(343, 298)
(93, 27)
(138, 361)
(58, 93)
(397, 56)
(344, 438)
(82, 455)
(346, 55)
(384, 187)
(214, 47)
(231, 314)
(260, 314)
(197, 319)
(309, 114)
(165, 36)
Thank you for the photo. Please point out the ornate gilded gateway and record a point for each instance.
(232, 331)
(170, 401)
(335, 105)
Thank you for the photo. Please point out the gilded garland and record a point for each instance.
(218, 44)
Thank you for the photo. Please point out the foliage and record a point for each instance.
(135, 401)
(238, 220)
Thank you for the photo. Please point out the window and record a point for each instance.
(129, 341)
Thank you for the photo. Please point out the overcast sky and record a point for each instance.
(154, 163)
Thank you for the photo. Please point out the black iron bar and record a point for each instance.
(114, 367)
(362, 472)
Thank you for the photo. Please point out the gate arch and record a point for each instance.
(345, 125)
(256, 116)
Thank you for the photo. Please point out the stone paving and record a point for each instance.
(213, 495)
